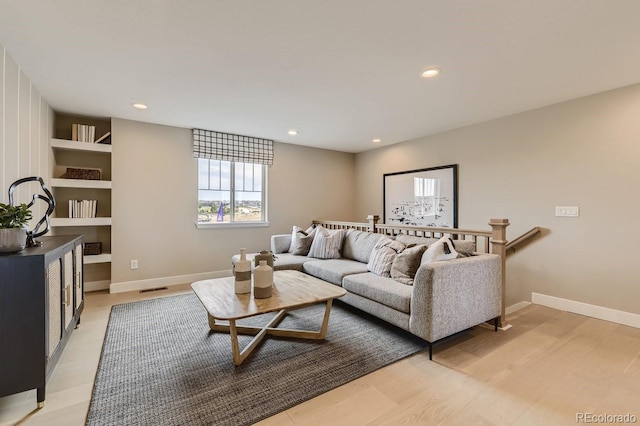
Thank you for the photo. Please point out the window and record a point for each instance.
(426, 195)
(231, 192)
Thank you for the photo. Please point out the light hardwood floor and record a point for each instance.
(550, 366)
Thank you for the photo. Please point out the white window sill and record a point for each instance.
(231, 225)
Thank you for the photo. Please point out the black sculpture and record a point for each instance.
(49, 199)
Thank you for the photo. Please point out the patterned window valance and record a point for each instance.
(229, 147)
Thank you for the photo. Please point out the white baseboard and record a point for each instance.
(594, 311)
(96, 285)
(516, 307)
(165, 281)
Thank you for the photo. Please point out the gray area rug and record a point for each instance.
(161, 366)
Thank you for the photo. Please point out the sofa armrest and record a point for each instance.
(280, 243)
(454, 295)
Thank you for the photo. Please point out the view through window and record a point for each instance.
(230, 192)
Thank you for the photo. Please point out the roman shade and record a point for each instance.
(229, 147)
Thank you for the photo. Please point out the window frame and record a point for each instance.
(232, 195)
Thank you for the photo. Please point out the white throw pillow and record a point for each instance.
(382, 256)
(441, 250)
(327, 244)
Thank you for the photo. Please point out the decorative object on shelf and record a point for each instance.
(105, 139)
(13, 227)
(48, 198)
(425, 197)
(242, 273)
(263, 281)
(265, 255)
(85, 174)
(92, 249)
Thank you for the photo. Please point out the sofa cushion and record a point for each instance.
(333, 270)
(405, 264)
(443, 249)
(327, 244)
(383, 290)
(359, 244)
(463, 247)
(382, 256)
(410, 239)
(282, 261)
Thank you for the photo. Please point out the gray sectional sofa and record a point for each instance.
(444, 298)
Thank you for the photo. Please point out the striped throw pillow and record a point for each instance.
(327, 244)
(382, 256)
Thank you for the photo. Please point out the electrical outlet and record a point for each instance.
(134, 264)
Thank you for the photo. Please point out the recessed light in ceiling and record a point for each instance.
(293, 132)
(431, 72)
(376, 140)
(138, 105)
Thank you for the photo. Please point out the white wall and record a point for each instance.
(154, 205)
(25, 128)
(584, 153)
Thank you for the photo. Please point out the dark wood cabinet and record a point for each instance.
(41, 299)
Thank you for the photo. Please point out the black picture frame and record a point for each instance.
(423, 197)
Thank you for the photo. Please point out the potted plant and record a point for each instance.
(13, 227)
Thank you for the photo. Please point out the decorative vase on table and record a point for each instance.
(263, 281)
(264, 255)
(243, 274)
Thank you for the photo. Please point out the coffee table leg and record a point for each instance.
(240, 356)
(325, 320)
(235, 347)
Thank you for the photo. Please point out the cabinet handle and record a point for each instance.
(67, 295)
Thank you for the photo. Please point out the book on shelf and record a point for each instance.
(83, 133)
(105, 139)
(83, 208)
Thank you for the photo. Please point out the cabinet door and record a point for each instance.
(79, 291)
(54, 283)
(67, 290)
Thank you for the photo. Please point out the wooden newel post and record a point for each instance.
(373, 220)
(499, 247)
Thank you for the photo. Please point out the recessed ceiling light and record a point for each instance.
(139, 106)
(376, 140)
(431, 72)
(293, 132)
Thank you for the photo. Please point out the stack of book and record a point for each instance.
(83, 208)
(83, 133)
(86, 133)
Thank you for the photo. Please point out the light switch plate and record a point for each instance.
(568, 211)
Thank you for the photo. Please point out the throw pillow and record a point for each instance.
(297, 232)
(326, 244)
(382, 256)
(406, 263)
(441, 250)
(303, 242)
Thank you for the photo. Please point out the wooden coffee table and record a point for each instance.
(291, 290)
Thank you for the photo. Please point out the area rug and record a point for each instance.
(160, 365)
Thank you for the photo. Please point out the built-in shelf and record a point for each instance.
(93, 221)
(68, 154)
(97, 258)
(80, 183)
(80, 146)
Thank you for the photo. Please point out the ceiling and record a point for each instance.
(341, 72)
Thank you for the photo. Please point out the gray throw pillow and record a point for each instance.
(303, 242)
(406, 263)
